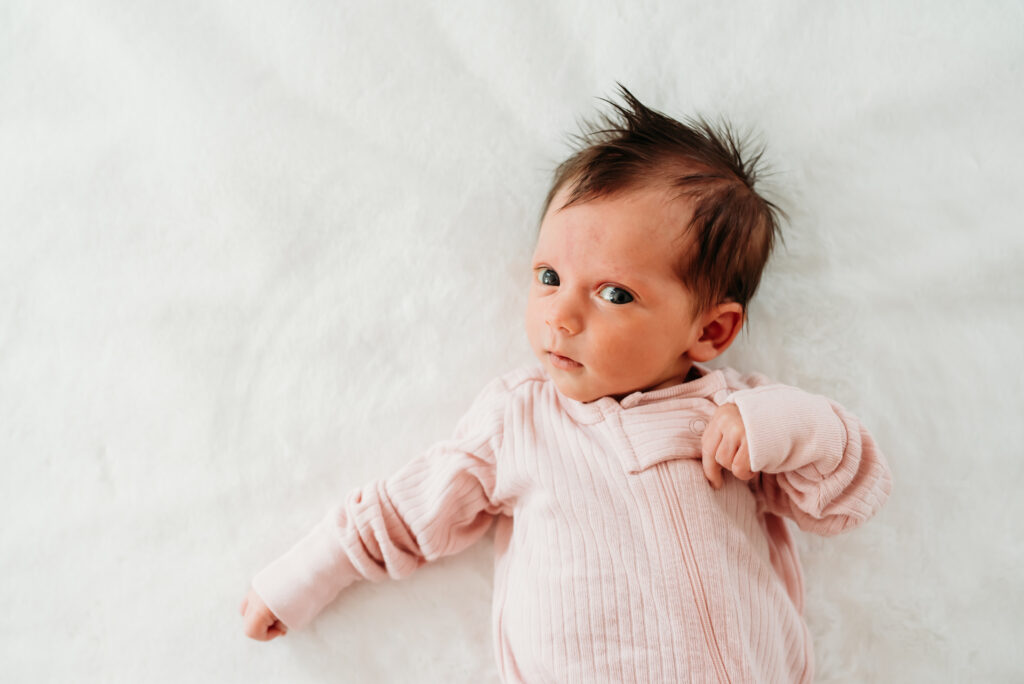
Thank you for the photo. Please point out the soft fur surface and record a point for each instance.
(255, 254)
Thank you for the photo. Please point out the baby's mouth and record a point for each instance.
(563, 362)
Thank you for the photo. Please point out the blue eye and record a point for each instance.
(615, 295)
(547, 277)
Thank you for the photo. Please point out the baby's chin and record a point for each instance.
(583, 398)
(574, 388)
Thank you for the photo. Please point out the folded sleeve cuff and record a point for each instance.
(788, 429)
(298, 585)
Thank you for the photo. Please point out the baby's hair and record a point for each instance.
(733, 227)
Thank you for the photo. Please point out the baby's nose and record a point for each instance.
(563, 314)
(565, 321)
(560, 325)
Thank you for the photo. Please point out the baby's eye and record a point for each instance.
(547, 277)
(615, 295)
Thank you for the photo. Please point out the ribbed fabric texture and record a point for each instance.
(615, 559)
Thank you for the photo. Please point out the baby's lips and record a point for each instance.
(564, 362)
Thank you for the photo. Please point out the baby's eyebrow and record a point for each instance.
(627, 279)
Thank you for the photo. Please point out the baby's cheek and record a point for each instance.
(531, 327)
(621, 356)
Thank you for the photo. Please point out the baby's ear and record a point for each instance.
(719, 328)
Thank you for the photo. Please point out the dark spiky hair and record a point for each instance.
(733, 228)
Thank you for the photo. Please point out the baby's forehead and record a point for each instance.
(642, 227)
(654, 211)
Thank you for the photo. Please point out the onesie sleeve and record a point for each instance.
(819, 465)
(436, 505)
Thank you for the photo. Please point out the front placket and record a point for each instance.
(653, 434)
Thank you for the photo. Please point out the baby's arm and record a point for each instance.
(819, 465)
(436, 505)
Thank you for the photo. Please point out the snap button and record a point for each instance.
(697, 426)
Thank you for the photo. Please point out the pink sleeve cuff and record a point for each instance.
(788, 429)
(298, 585)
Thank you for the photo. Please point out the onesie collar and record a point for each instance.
(710, 385)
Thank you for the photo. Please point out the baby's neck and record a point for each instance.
(694, 374)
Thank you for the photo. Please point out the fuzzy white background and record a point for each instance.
(255, 254)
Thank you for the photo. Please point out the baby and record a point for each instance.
(639, 494)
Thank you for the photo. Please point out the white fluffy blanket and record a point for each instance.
(254, 254)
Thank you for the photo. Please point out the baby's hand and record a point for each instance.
(260, 623)
(724, 445)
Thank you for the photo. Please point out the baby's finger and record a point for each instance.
(709, 445)
(710, 439)
(255, 629)
(726, 452)
(245, 604)
(741, 464)
(712, 470)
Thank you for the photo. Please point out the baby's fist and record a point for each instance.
(260, 623)
(724, 445)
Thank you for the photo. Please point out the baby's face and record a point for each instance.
(607, 314)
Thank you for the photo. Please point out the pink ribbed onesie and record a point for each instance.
(616, 561)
